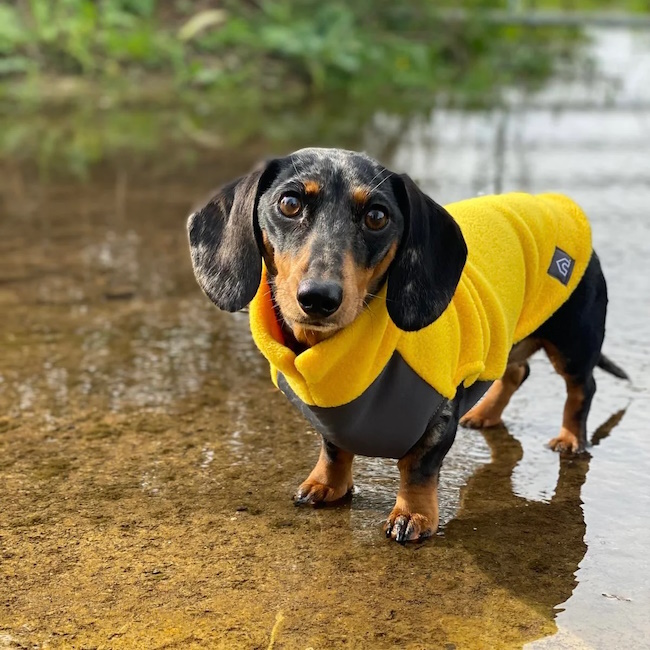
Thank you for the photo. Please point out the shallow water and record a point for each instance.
(147, 465)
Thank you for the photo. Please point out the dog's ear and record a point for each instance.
(225, 240)
(428, 265)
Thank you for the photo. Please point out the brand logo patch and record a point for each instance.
(561, 267)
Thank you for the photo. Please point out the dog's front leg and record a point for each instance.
(415, 515)
(330, 480)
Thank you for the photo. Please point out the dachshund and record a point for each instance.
(328, 238)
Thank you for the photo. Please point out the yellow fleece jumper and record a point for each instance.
(526, 255)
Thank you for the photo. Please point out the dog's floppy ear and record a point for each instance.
(428, 265)
(225, 240)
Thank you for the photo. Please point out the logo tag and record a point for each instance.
(561, 266)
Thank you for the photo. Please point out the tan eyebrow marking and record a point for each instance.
(360, 195)
(312, 187)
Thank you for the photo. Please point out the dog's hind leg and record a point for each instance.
(487, 413)
(573, 434)
(572, 339)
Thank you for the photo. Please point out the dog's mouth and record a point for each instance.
(317, 325)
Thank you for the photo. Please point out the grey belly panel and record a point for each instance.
(390, 416)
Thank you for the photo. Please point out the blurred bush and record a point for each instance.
(271, 50)
(221, 74)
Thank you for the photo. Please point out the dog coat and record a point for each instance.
(372, 388)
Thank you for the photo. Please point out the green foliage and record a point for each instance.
(84, 36)
(275, 51)
(321, 69)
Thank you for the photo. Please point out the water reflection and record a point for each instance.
(532, 548)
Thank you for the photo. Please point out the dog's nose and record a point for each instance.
(319, 297)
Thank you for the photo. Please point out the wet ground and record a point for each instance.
(146, 464)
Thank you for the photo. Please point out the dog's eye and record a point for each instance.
(376, 219)
(290, 205)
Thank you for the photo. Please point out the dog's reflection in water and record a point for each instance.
(531, 548)
(492, 578)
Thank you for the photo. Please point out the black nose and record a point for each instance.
(320, 297)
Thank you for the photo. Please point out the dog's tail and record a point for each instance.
(609, 366)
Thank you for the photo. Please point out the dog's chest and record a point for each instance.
(388, 418)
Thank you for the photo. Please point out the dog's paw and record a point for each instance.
(409, 527)
(314, 493)
(566, 443)
(476, 420)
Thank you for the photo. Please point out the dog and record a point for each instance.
(386, 317)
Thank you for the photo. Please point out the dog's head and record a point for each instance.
(332, 227)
